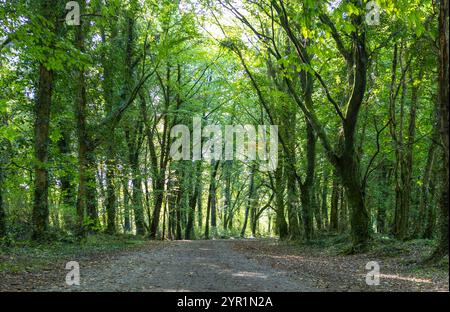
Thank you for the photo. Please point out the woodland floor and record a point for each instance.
(227, 265)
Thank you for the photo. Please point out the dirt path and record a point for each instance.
(331, 271)
(183, 266)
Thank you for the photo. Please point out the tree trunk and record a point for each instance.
(336, 190)
(108, 94)
(158, 200)
(383, 200)
(2, 207)
(359, 217)
(425, 200)
(178, 208)
(3, 162)
(159, 168)
(292, 202)
(428, 231)
(67, 183)
(307, 187)
(402, 196)
(193, 200)
(228, 165)
(91, 190)
(40, 214)
(137, 198)
(134, 140)
(86, 198)
(251, 192)
(110, 196)
(282, 226)
(211, 199)
(317, 211)
(348, 163)
(343, 220)
(442, 248)
(200, 206)
(325, 197)
(404, 164)
(41, 141)
(126, 206)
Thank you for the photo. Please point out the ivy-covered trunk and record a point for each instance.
(307, 187)
(211, 205)
(110, 195)
(282, 226)
(425, 199)
(3, 161)
(87, 192)
(91, 192)
(359, 217)
(107, 59)
(41, 140)
(137, 198)
(442, 248)
(126, 206)
(348, 163)
(227, 167)
(383, 200)
(250, 199)
(336, 190)
(158, 201)
(67, 180)
(324, 197)
(193, 199)
(2, 207)
(292, 203)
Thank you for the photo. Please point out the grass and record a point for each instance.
(28, 256)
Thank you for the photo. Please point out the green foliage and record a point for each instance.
(160, 63)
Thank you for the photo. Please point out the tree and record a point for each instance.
(443, 103)
(41, 131)
(87, 113)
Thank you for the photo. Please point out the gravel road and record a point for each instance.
(183, 266)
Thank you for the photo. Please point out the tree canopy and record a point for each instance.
(91, 91)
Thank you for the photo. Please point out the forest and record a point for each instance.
(119, 118)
